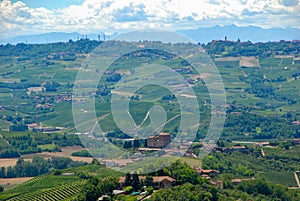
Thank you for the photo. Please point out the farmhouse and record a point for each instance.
(236, 181)
(33, 125)
(159, 141)
(217, 183)
(296, 141)
(159, 181)
(238, 148)
(46, 129)
(262, 144)
(164, 182)
(206, 173)
(296, 122)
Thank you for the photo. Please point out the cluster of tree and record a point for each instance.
(186, 192)
(18, 127)
(150, 53)
(21, 85)
(260, 127)
(169, 97)
(117, 133)
(102, 90)
(115, 77)
(37, 166)
(17, 123)
(237, 48)
(249, 161)
(183, 173)
(262, 188)
(259, 85)
(134, 181)
(95, 188)
(247, 190)
(136, 143)
(82, 153)
(189, 187)
(27, 142)
(27, 51)
(52, 86)
(9, 152)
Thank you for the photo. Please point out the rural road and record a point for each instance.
(297, 179)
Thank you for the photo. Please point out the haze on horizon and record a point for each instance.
(91, 16)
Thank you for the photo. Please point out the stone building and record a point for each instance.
(159, 141)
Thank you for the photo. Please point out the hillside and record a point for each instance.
(257, 155)
(37, 82)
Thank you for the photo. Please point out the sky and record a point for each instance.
(27, 17)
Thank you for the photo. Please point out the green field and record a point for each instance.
(53, 194)
(237, 82)
(283, 178)
(45, 185)
(47, 147)
(60, 187)
(3, 144)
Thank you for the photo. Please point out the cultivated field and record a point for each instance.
(11, 182)
(65, 152)
(227, 59)
(249, 62)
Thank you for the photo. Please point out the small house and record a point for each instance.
(159, 181)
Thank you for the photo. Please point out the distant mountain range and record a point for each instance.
(202, 35)
(251, 33)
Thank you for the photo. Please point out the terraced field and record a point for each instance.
(52, 194)
(45, 187)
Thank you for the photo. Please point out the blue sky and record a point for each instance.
(93, 16)
(52, 4)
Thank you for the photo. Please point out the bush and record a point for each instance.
(57, 172)
(82, 153)
(128, 189)
(149, 190)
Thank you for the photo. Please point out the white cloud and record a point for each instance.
(117, 15)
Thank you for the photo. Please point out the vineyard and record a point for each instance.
(284, 178)
(45, 187)
(52, 194)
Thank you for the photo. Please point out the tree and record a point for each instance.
(221, 143)
(61, 162)
(183, 173)
(18, 127)
(226, 178)
(136, 143)
(128, 180)
(186, 192)
(115, 77)
(127, 145)
(135, 181)
(128, 189)
(149, 181)
(90, 192)
(108, 185)
(1, 189)
(258, 186)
